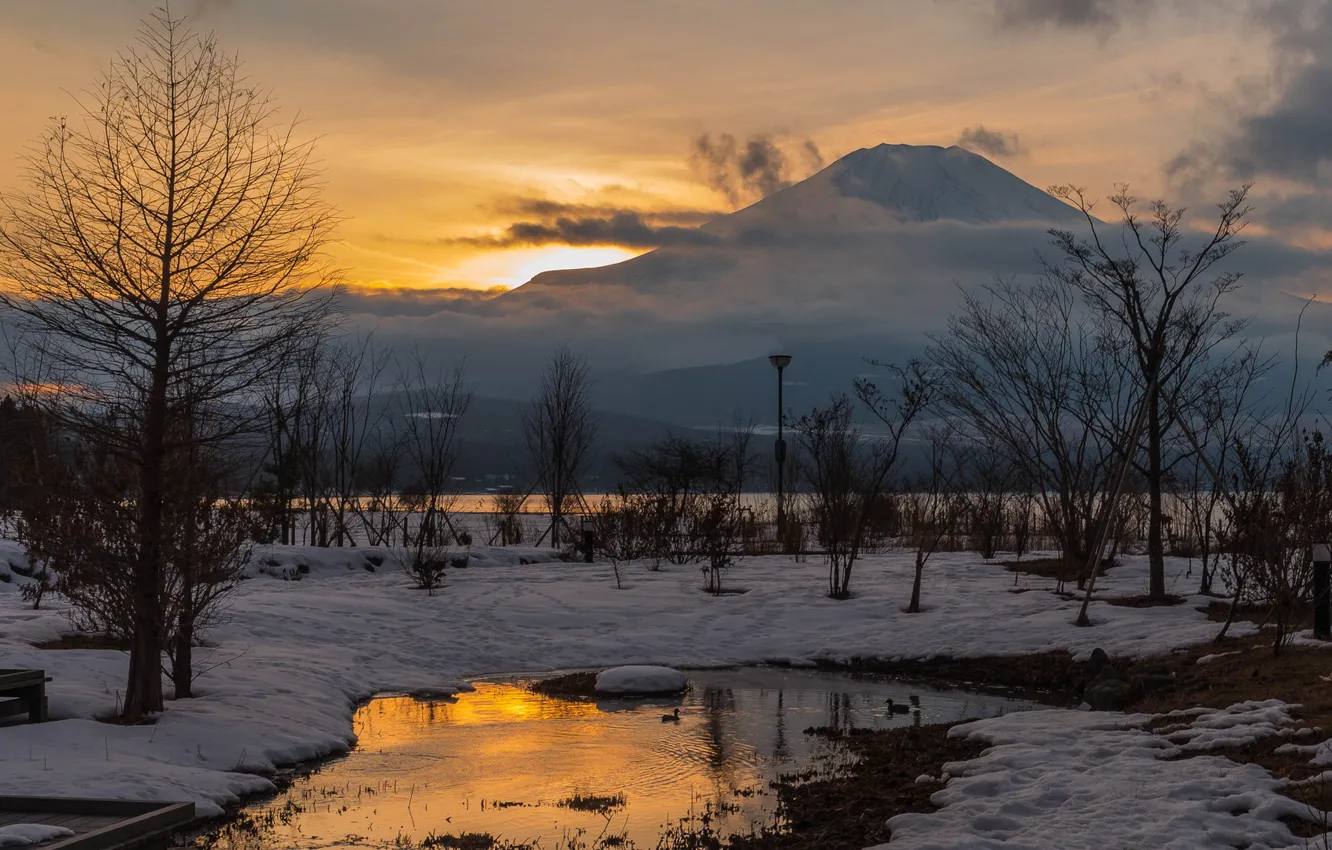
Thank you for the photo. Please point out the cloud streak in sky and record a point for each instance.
(623, 228)
(1072, 14)
(982, 139)
(751, 171)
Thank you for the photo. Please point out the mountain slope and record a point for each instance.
(920, 183)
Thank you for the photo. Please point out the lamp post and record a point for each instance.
(780, 362)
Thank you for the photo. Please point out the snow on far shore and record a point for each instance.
(286, 671)
(1067, 780)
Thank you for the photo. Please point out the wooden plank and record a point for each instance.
(98, 824)
(86, 823)
(11, 679)
(80, 805)
(130, 832)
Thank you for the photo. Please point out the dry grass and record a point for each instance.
(600, 803)
(581, 685)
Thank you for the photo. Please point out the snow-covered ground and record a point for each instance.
(285, 672)
(1068, 780)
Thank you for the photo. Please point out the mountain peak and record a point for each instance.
(928, 182)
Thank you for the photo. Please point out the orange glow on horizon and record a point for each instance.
(517, 266)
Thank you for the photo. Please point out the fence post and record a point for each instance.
(1322, 558)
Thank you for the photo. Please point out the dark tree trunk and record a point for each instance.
(914, 607)
(143, 693)
(1155, 544)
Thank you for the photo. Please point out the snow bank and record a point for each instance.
(640, 679)
(1068, 780)
(282, 677)
(25, 834)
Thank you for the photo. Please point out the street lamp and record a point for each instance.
(780, 362)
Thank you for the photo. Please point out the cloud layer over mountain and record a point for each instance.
(873, 247)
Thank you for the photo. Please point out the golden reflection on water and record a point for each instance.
(501, 759)
(390, 721)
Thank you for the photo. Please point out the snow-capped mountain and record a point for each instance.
(912, 183)
(861, 221)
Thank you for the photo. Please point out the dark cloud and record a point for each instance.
(1087, 14)
(390, 301)
(748, 172)
(546, 209)
(624, 228)
(981, 139)
(1291, 136)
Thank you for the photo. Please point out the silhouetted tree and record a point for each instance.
(560, 429)
(164, 248)
(1165, 298)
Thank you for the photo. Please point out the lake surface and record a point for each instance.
(507, 762)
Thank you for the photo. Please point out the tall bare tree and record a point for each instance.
(434, 400)
(1024, 372)
(1165, 296)
(560, 429)
(169, 237)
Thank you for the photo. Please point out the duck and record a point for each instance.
(673, 717)
(895, 708)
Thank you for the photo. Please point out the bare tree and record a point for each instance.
(353, 377)
(849, 476)
(933, 505)
(434, 399)
(560, 429)
(1165, 297)
(289, 403)
(681, 476)
(167, 238)
(840, 474)
(1024, 373)
(1220, 412)
(210, 526)
(622, 527)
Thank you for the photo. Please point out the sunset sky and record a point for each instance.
(445, 124)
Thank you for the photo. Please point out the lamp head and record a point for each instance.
(780, 361)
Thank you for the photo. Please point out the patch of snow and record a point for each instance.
(27, 834)
(1068, 780)
(1208, 659)
(1240, 724)
(283, 674)
(640, 679)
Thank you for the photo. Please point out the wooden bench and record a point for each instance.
(23, 690)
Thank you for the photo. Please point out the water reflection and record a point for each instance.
(501, 760)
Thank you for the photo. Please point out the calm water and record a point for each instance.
(501, 760)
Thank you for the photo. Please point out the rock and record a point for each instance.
(1098, 662)
(1108, 694)
(640, 680)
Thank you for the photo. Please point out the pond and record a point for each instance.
(557, 773)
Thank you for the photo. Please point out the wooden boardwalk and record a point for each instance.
(99, 824)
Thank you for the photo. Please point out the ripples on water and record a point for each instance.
(500, 760)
